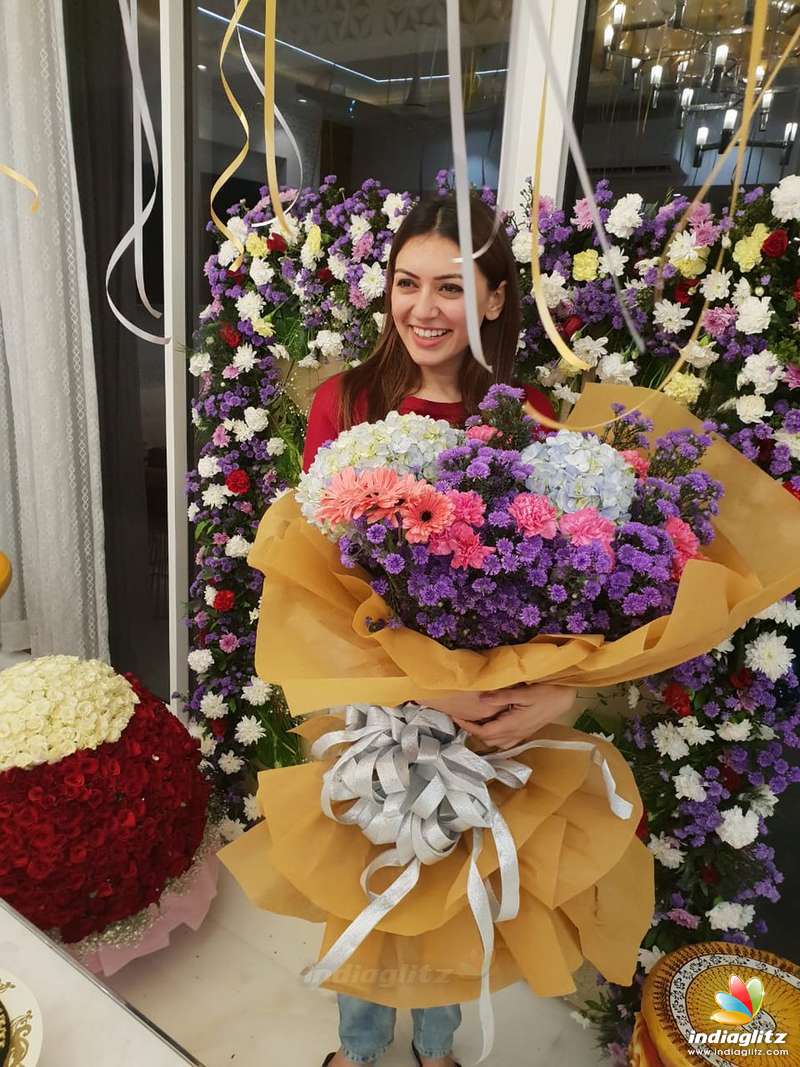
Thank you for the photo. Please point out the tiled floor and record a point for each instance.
(231, 994)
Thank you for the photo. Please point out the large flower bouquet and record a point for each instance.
(490, 536)
(102, 805)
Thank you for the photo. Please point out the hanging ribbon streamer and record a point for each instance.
(15, 176)
(270, 15)
(141, 212)
(416, 787)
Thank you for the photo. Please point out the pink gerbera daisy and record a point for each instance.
(426, 512)
(341, 498)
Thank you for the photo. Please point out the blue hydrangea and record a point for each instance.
(575, 471)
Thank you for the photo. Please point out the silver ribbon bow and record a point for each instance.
(417, 788)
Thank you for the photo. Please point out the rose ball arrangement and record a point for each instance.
(102, 804)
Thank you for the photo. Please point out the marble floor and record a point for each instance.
(231, 995)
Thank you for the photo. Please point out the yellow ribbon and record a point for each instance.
(738, 142)
(270, 13)
(17, 177)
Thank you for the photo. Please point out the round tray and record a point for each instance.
(24, 1035)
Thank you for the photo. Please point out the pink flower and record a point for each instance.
(684, 918)
(220, 538)
(641, 464)
(587, 525)
(583, 214)
(376, 493)
(534, 515)
(245, 506)
(705, 234)
(363, 247)
(467, 507)
(684, 541)
(717, 320)
(699, 214)
(220, 436)
(464, 543)
(340, 499)
(791, 375)
(425, 513)
(229, 643)
(481, 433)
(357, 298)
(230, 371)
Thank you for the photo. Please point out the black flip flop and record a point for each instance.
(417, 1057)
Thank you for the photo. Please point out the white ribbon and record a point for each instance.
(416, 787)
(141, 212)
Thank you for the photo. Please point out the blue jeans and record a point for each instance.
(366, 1030)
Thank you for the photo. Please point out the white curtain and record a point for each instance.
(51, 518)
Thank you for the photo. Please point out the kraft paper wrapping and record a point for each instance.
(312, 632)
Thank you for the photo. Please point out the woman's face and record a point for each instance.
(428, 301)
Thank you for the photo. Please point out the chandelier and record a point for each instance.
(701, 64)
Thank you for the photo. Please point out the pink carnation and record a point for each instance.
(792, 375)
(719, 319)
(220, 538)
(464, 543)
(220, 437)
(230, 371)
(587, 525)
(641, 464)
(684, 918)
(229, 643)
(467, 507)
(534, 515)
(684, 541)
(481, 433)
(583, 215)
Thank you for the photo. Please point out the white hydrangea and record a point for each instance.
(649, 957)
(763, 802)
(671, 316)
(249, 730)
(738, 828)
(754, 314)
(53, 706)
(667, 851)
(716, 285)
(257, 692)
(670, 741)
(329, 344)
(769, 654)
(213, 705)
(728, 915)
(200, 659)
(625, 216)
(200, 364)
(700, 354)
(230, 763)
(693, 732)
(404, 443)
(689, 784)
(761, 370)
(786, 612)
(237, 547)
(735, 731)
(786, 199)
(751, 408)
(261, 272)
(373, 281)
(208, 466)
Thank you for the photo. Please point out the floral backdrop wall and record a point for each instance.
(712, 743)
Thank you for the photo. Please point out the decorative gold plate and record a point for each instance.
(21, 1019)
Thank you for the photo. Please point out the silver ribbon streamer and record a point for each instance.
(416, 787)
(141, 212)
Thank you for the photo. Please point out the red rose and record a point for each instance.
(709, 874)
(677, 698)
(223, 600)
(238, 482)
(325, 274)
(683, 290)
(236, 276)
(793, 489)
(276, 243)
(741, 679)
(775, 244)
(643, 829)
(730, 778)
(217, 727)
(230, 335)
(571, 326)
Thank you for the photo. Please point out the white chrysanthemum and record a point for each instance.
(53, 706)
(754, 314)
(735, 731)
(738, 828)
(359, 226)
(216, 496)
(716, 285)
(329, 344)
(786, 199)
(553, 287)
(213, 706)
(764, 802)
(208, 744)
(250, 305)
(208, 466)
(373, 281)
(670, 316)
(683, 246)
(252, 808)
(769, 654)
(625, 215)
(751, 409)
(669, 741)
(394, 208)
(249, 730)
(199, 364)
(612, 262)
(231, 828)
(261, 272)
(237, 547)
(615, 369)
(693, 732)
(337, 265)
(200, 659)
(192, 511)
(786, 612)
(728, 915)
(689, 784)
(246, 357)
(761, 370)
(280, 351)
(230, 763)
(649, 957)
(257, 692)
(700, 354)
(667, 851)
(590, 349)
(256, 419)
(404, 443)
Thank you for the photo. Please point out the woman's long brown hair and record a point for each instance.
(390, 374)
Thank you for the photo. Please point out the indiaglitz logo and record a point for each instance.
(741, 1003)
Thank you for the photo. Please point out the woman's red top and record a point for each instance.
(323, 425)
